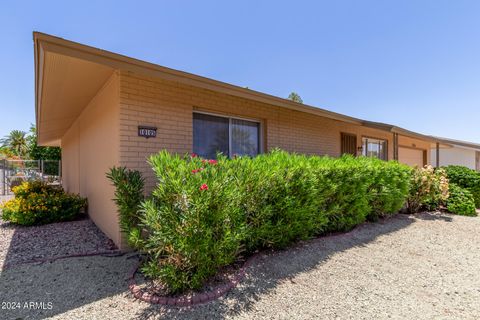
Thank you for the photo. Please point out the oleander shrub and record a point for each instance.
(388, 186)
(465, 178)
(193, 220)
(461, 201)
(38, 203)
(129, 194)
(206, 214)
(429, 189)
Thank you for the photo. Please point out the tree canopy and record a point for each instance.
(24, 145)
(16, 141)
(295, 97)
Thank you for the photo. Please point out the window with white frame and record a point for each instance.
(376, 148)
(229, 136)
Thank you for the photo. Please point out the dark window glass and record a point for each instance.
(210, 135)
(245, 137)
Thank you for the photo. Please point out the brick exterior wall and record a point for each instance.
(169, 106)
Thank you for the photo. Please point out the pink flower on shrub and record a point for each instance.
(193, 155)
(214, 162)
(203, 187)
(197, 170)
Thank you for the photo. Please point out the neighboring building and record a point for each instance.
(97, 106)
(455, 152)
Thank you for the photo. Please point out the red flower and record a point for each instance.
(193, 155)
(197, 170)
(204, 161)
(214, 162)
(203, 187)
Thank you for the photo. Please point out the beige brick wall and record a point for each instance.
(169, 106)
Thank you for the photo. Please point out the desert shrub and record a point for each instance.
(388, 187)
(205, 214)
(129, 193)
(38, 203)
(194, 220)
(278, 203)
(461, 201)
(428, 189)
(465, 178)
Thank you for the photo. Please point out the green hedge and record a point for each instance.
(461, 201)
(465, 178)
(204, 215)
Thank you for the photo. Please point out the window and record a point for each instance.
(376, 148)
(230, 136)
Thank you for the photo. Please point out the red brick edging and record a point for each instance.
(187, 300)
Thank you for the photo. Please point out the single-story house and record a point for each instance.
(456, 152)
(105, 109)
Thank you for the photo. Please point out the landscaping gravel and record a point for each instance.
(22, 244)
(408, 267)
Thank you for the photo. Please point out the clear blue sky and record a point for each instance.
(414, 63)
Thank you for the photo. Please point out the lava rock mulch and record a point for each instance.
(20, 245)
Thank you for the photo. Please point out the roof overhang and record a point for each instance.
(69, 74)
(62, 65)
(459, 143)
(64, 85)
(406, 133)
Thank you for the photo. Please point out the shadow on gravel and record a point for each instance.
(435, 216)
(41, 290)
(44, 290)
(24, 244)
(271, 269)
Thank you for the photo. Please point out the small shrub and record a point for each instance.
(461, 201)
(428, 189)
(129, 189)
(194, 220)
(38, 203)
(465, 178)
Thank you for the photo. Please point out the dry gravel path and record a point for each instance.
(23, 244)
(422, 267)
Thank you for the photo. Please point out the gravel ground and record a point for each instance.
(407, 267)
(22, 244)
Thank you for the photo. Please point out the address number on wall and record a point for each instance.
(147, 132)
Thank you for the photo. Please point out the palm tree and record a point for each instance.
(16, 141)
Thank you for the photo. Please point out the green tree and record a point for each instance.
(36, 152)
(295, 97)
(5, 152)
(16, 141)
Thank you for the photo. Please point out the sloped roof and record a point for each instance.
(80, 71)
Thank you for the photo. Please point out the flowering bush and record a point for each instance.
(39, 203)
(429, 189)
(206, 214)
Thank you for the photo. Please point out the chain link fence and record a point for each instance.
(14, 172)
